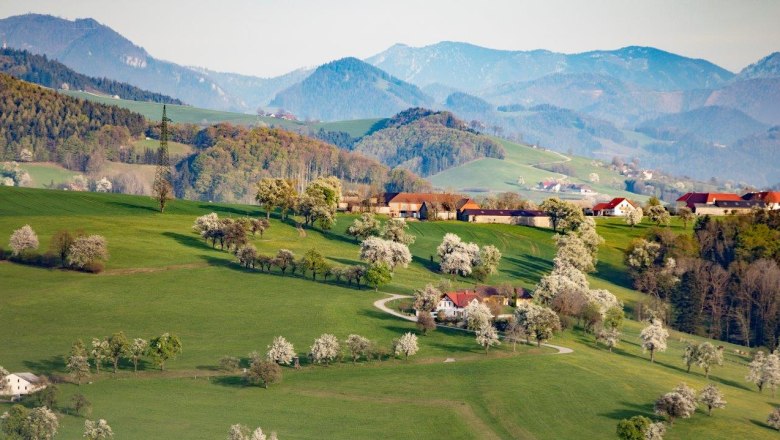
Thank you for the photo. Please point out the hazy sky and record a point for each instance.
(268, 38)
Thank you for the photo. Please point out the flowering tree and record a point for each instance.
(117, 347)
(573, 252)
(427, 298)
(99, 352)
(365, 226)
(241, 432)
(456, 256)
(489, 258)
(23, 239)
(476, 316)
(247, 255)
(774, 419)
(284, 259)
(395, 230)
(358, 346)
(103, 185)
(137, 350)
(78, 362)
(375, 250)
(654, 338)
(406, 345)
(42, 424)
(707, 356)
(86, 251)
(711, 397)
(756, 370)
(680, 403)
(514, 333)
(262, 372)
(325, 349)
(97, 430)
(609, 337)
(659, 215)
(487, 337)
(634, 216)
(280, 351)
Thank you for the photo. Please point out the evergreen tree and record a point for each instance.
(163, 188)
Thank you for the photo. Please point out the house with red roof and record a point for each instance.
(453, 304)
(717, 203)
(441, 206)
(770, 198)
(617, 207)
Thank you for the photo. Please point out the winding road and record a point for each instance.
(381, 304)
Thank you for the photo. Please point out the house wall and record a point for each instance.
(714, 210)
(504, 219)
(16, 385)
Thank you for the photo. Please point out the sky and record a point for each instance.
(269, 38)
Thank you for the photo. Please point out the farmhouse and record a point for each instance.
(618, 207)
(770, 198)
(726, 207)
(696, 201)
(18, 384)
(453, 304)
(549, 186)
(437, 205)
(524, 217)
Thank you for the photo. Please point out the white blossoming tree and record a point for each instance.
(427, 298)
(487, 337)
(774, 419)
(42, 424)
(137, 350)
(325, 349)
(97, 430)
(771, 371)
(358, 347)
(573, 252)
(375, 250)
(476, 316)
(456, 256)
(87, 250)
(280, 351)
(680, 403)
(103, 185)
(711, 397)
(406, 345)
(654, 338)
(634, 216)
(395, 229)
(489, 258)
(365, 226)
(756, 370)
(23, 240)
(708, 356)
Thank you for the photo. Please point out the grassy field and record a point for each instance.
(46, 173)
(519, 171)
(162, 277)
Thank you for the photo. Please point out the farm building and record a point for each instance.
(453, 304)
(524, 217)
(437, 205)
(19, 384)
(695, 201)
(770, 198)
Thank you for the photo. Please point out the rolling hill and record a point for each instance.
(349, 89)
(714, 124)
(162, 277)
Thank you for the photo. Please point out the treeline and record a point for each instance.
(724, 282)
(58, 128)
(40, 70)
(234, 158)
(427, 142)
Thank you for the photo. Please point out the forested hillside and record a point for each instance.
(40, 70)
(236, 158)
(427, 142)
(42, 125)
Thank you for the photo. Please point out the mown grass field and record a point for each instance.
(161, 277)
(46, 173)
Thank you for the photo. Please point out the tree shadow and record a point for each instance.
(611, 273)
(427, 263)
(231, 210)
(134, 206)
(629, 410)
(230, 381)
(187, 239)
(54, 364)
(760, 424)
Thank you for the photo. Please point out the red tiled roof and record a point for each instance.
(764, 196)
(691, 199)
(618, 200)
(600, 206)
(418, 197)
(461, 299)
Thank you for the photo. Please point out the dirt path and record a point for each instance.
(381, 304)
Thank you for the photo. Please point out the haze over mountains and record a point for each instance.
(633, 102)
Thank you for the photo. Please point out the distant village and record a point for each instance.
(447, 206)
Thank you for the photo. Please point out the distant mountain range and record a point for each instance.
(633, 102)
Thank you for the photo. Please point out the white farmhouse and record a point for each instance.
(18, 384)
(453, 304)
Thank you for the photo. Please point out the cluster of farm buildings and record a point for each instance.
(443, 206)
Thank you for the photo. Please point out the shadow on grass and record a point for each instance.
(230, 210)
(760, 423)
(188, 240)
(230, 381)
(134, 206)
(614, 274)
(54, 364)
(629, 410)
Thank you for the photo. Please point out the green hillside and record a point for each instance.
(162, 277)
(521, 170)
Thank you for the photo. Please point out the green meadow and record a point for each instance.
(163, 277)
